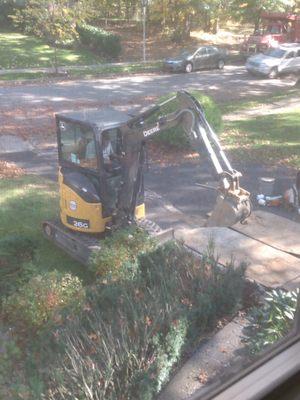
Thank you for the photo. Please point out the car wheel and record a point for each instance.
(273, 73)
(221, 64)
(189, 67)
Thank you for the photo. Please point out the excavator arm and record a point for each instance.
(232, 205)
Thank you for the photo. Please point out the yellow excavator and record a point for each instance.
(101, 158)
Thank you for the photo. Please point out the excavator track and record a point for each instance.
(81, 246)
(78, 245)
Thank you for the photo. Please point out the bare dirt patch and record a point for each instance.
(10, 170)
(159, 46)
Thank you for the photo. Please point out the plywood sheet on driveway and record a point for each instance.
(273, 230)
(266, 265)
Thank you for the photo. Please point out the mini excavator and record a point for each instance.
(101, 157)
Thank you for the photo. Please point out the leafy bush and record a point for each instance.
(272, 321)
(118, 254)
(176, 136)
(37, 301)
(56, 25)
(15, 384)
(125, 342)
(99, 40)
(16, 252)
(10, 354)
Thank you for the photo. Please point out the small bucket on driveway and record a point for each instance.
(266, 186)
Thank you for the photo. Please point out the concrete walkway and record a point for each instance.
(210, 360)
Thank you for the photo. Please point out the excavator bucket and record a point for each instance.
(230, 209)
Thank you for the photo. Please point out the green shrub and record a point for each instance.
(10, 354)
(176, 136)
(14, 384)
(99, 40)
(271, 321)
(16, 254)
(12, 375)
(130, 333)
(38, 301)
(119, 252)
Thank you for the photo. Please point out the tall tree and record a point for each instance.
(54, 20)
(7, 8)
(250, 10)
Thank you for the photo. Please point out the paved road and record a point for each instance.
(231, 83)
(28, 110)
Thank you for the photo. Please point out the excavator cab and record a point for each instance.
(90, 171)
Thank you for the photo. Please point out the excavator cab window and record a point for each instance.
(77, 144)
(111, 153)
(111, 150)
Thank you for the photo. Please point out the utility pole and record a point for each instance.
(144, 6)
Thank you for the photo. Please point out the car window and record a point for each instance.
(185, 53)
(298, 53)
(212, 50)
(201, 52)
(277, 53)
(291, 54)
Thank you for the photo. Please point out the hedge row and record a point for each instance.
(119, 338)
(130, 333)
(102, 42)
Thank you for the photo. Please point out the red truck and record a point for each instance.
(275, 28)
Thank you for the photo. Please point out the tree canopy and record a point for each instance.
(174, 17)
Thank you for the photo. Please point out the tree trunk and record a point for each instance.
(119, 9)
(187, 31)
(55, 59)
(257, 20)
(215, 26)
(207, 22)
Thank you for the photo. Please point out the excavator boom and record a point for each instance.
(232, 205)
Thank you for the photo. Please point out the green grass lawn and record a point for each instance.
(86, 73)
(257, 101)
(21, 51)
(272, 138)
(24, 203)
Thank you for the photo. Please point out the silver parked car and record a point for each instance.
(282, 59)
(204, 57)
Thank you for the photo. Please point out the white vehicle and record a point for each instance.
(283, 59)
